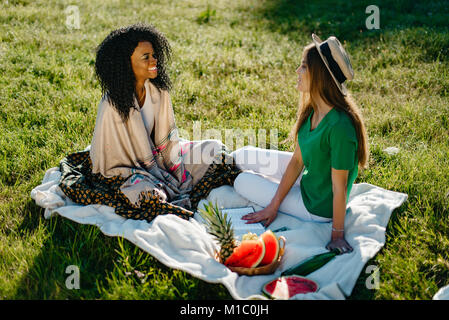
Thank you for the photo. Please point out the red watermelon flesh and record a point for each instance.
(288, 286)
(271, 247)
(248, 254)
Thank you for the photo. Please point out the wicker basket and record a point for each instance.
(268, 269)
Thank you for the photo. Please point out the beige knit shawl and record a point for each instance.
(125, 149)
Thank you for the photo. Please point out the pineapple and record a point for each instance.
(221, 228)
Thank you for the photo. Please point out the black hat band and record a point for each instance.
(333, 65)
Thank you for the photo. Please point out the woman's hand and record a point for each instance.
(289, 177)
(268, 215)
(339, 189)
(339, 243)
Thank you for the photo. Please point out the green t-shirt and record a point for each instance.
(332, 144)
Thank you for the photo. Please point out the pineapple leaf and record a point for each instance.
(217, 222)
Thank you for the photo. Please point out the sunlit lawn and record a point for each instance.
(233, 67)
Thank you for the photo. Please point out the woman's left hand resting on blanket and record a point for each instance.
(289, 177)
(339, 187)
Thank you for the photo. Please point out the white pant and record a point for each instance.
(263, 171)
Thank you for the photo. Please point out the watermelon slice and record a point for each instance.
(248, 254)
(271, 247)
(288, 286)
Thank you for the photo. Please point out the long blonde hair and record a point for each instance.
(322, 85)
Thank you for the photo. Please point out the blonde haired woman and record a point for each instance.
(330, 145)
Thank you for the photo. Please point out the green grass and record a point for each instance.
(233, 67)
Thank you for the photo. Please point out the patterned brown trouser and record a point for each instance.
(83, 187)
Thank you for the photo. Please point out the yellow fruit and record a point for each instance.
(250, 236)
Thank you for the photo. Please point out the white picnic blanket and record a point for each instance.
(186, 245)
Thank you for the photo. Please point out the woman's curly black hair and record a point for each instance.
(113, 64)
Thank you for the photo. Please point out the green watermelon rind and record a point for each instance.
(268, 295)
(310, 265)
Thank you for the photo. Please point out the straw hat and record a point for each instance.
(336, 60)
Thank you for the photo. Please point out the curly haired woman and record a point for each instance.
(137, 163)
(330, 145)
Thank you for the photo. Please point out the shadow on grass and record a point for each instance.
(32, 218)
(362, 290)
(419, 23)
(64, 243)
(99, 258)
